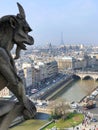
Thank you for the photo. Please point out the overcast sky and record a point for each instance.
(76, 19)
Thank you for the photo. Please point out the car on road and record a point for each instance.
(34, 91)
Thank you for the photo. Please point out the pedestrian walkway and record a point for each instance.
(92, 126)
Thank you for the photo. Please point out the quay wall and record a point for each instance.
(59, 89)
(56, 88)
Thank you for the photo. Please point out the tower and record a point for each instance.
(63, 47)
(50, 49)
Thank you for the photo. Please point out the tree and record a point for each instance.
(60, 109)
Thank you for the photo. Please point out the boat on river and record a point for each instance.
(90, 104)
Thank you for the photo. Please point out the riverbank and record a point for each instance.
(56, 88)
(88, 95)
(59, 89)
(75, 90)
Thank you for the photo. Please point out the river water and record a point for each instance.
(77, 90)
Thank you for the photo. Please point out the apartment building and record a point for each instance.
(44, 70)
(27, 70)
(4, 92)
(65, 62)
(52, 68)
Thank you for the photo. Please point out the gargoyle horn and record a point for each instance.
(21, 11)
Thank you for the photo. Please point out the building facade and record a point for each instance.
(44, 70)
(65, 63)
(27, 69)
(4, 92)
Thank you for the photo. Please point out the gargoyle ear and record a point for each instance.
(21, 11)
(12, 22)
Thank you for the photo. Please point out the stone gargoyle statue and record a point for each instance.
(14, 29)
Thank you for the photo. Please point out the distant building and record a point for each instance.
(35, 76)
(32, 72)
(80, 64)
(27, 68)
(24, 70)
(85, 63)
(4, 92)
(52, 68)
(65, 62)
(94, 55)
(81, 46)
(44, 70)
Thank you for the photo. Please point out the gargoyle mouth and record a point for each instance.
(22, 46)
(28, 41)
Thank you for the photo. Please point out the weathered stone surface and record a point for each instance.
(6, 106)
(13, 30)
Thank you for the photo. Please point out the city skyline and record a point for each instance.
(76, 19)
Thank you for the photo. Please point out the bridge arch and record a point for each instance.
(88, 74)
(88, 77)
(76, 76)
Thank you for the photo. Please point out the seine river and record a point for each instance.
(77, 90)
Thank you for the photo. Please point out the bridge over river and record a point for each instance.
(85, 74)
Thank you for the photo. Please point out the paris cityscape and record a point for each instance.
(64, 73)
(49, 65)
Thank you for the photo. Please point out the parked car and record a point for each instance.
(74, 105)
(94, 120)
(94, 93)
(91, 97)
